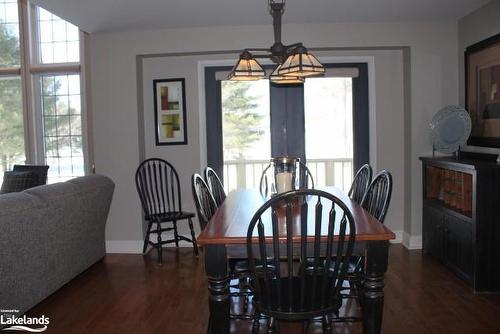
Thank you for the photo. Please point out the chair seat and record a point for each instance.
(169, 216)
(295, 309)
(238, 265)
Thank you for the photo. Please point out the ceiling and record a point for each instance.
(111, 15)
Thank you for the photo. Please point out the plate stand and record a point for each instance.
(456, 154)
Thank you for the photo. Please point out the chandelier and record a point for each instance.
(294, 61)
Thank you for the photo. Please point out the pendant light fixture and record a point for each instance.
(247, 68)
(284, 79)
(294, 61)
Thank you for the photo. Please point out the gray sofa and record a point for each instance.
(49, 235)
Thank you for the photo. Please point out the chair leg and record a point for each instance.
(159, 244)
(193, 238)
(327, 325)
(176, 234)
(271, 326)
(146, 239)
(256, 323)
(305, 327)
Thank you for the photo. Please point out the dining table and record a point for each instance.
(225, 237)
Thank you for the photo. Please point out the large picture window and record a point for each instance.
(41, 114)
(59, 40)
(12, 148)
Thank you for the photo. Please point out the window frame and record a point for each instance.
(30, 71)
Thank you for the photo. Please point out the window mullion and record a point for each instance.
(10, 71)
(86, 110)
(28, 108)
(63, 68)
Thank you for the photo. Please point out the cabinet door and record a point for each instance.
(459, 245)
(433, 225)
(450, 243)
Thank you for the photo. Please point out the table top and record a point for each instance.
(230, 222)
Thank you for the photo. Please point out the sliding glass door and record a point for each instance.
(323, 121)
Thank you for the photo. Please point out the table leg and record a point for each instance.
(377, 253)
(218, 286)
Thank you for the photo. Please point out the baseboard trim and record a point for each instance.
(124, 246)
(134, 246)
(412, 241)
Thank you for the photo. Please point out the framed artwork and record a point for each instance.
(482, 91)
(170, 111)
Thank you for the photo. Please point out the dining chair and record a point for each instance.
(378, 196)
(360, 183)
(203, 199)
(158, 186)
(267, 186)
(238, 268)
(376, 202)
(215, 185)
(301, 247)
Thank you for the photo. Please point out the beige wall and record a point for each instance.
(473, 28)
(387, 151)
(434, 83)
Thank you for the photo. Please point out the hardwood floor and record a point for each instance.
(133, 294)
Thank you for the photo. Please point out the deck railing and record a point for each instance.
(326, 172)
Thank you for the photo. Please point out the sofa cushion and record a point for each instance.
(40, 172)
(18, 181)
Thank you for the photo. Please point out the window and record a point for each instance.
(40, 108)
(328, 119)
(9, 34)
(246, 132)
(62, 126)
(12, 148)
(59, 40)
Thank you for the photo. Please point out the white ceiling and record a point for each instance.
(108, 15)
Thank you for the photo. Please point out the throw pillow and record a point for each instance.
(17, 181)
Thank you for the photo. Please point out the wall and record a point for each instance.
(473, 28)
(432, 78)
(387, 110)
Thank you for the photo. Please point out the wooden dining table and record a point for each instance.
(225, 236)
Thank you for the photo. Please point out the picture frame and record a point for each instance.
(170, 111)
(482, 91)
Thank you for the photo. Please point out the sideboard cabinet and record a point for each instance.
(461, 216)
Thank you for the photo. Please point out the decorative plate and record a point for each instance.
(450, 127)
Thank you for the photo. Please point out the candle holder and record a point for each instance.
(285, 173)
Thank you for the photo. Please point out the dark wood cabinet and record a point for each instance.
(461, 216)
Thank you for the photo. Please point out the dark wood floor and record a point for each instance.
(132, 294)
